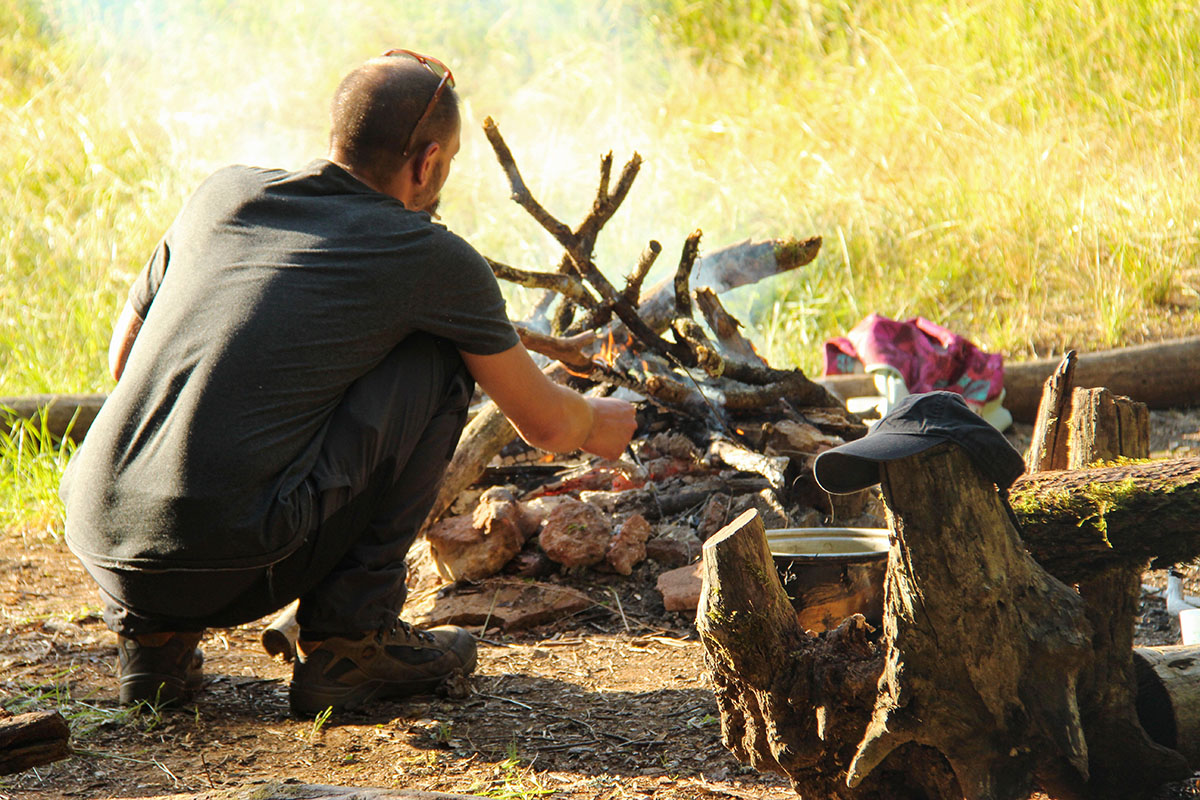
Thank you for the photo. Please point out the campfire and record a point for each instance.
(720, 430)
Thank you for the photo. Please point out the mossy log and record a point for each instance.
(1077, 523)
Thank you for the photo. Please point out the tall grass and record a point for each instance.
(1022, 173)
(31, 464)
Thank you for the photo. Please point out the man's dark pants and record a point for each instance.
(391, 437)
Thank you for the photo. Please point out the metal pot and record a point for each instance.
(831, 573)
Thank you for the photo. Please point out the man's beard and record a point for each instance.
(437, 179)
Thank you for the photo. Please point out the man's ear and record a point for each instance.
(424, 163)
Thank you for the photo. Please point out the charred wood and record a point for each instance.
(687, 260)
(773, 468)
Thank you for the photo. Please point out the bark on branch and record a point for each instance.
(578, 248)
(566, 285)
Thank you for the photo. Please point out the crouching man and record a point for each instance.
(294, 366)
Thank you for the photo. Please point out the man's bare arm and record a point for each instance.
(549, 416)
(129, 323)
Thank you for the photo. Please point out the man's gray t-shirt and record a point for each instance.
(271, 293)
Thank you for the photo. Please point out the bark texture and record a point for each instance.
(33, 739)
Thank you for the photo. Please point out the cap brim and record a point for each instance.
(854, 466)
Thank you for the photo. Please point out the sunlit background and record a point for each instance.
(1023, 175)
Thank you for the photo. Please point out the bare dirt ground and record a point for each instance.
(600, 705)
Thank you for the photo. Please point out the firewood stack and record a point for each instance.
(720, 430)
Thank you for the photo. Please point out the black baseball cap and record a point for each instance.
(919, 422)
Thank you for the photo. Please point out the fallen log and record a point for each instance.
(1079, 522)
(1168, 700)
(1161, 375)
(63, 413)
(33, 739)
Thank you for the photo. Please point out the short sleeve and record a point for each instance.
(145, 285)
(465, 304)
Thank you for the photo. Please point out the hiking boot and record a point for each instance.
(345, 672)
(161, 669)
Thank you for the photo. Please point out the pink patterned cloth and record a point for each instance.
(929, 357)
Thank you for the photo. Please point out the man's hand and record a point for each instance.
(613, 424)
(549, 416)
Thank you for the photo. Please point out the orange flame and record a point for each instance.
(608, 351)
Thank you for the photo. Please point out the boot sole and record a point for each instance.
(156, 689)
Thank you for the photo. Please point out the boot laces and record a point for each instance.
(406, 628)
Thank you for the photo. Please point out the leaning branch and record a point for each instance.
(566, 285)
(687, 259)
(571, 351)
(520, 192)
(726, 326)
(580, 258)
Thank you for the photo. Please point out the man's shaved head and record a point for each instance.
(375, 108)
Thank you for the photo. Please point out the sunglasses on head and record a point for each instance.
(437, 68)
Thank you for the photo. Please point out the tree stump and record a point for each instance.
(1105, 427)
(791, 702)
(1048, 448)
(989, 675)
(983, 646)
